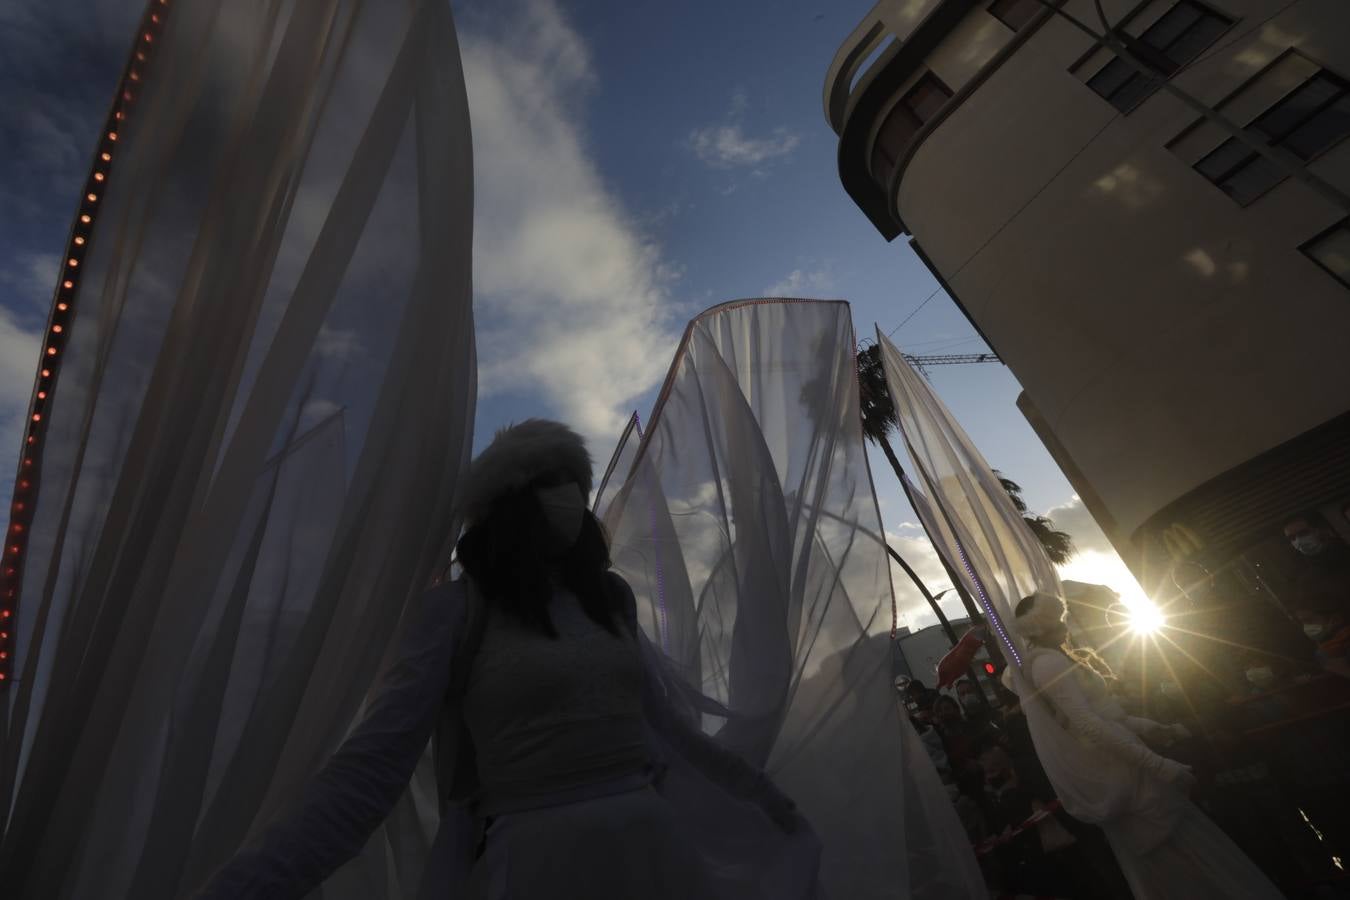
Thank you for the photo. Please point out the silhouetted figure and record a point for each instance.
(549, 721)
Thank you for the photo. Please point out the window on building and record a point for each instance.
(1306, 121)
(1168, 44)
(919, 104)
(1016, 14)
(1331, 251)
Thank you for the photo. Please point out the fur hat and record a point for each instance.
(1043, 614)
(518, 455)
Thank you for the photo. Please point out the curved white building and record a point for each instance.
(1175, 305)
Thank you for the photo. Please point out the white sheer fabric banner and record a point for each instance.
(972, 522)
(747, 524)
(254, 449)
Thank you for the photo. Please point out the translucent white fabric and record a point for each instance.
(254, 449)
(746, 522)
(973, 524)
(1100, 770)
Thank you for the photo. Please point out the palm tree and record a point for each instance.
(878, 421)
(1058, 545)
(878, 412)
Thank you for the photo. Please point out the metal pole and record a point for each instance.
(923, 589)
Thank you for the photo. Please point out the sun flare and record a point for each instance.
(1144, 617)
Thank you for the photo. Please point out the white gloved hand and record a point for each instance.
(1178, 775)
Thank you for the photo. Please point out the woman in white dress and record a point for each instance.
(1167, 848)
(554, 728)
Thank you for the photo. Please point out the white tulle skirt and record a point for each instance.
(617, 847)
(1196, 862)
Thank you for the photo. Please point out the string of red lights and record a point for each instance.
(64, 307)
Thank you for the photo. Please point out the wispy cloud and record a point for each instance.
(338, 343)
(727, 145)
(802, 283)
(1073, 516)
(1095, 560)
(571, 293)
(61, 64)
(913, 546)
(27, 281)
(19, 348)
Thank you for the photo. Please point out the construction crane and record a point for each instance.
(922, 362)
(952, 359)
(955, 359)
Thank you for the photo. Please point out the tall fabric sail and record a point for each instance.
(251, 459)
(975, 527)
(746, 522)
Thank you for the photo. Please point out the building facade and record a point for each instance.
(1167, 275)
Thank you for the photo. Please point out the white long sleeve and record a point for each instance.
(352, 794)
(1148, 729)
(1057, 679)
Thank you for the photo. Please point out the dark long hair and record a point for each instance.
(503, 554)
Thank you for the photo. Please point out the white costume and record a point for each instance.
(1101, 770)
(1165, 845)
(565, 768)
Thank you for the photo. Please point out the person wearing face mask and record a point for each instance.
(1039, 850)
(553, 725)
(1261, 676)
(1329, 629)
(1322, 575)
(1258, 692)
(974, 706)
(960, 734)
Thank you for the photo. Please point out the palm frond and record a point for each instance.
(1058, 545)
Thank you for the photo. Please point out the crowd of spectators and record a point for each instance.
(1257, 691)
(983, 752)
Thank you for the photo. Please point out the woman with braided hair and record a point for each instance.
(1166, 846)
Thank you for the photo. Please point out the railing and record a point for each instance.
(888, 22)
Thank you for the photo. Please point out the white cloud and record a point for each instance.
(740, 102)
(338, 343)
(1105, 568)
(571, 296)
(1073, 516)
(58, 143)
(799, 283)
(29, 281)
(727, 145)
(314, 412)
(913, 610)
(18, 363)
(1095, 560)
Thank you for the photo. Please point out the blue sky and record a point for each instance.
(636, 163)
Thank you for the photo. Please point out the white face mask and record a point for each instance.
(1261, 676)
(1314, 630)
(564, 509)
(970, 701)
(1309, 544)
